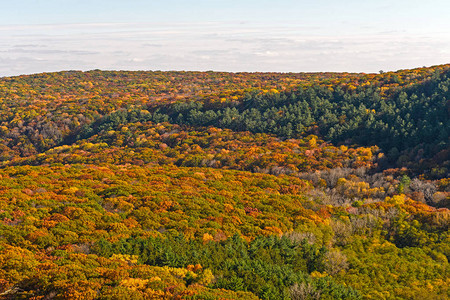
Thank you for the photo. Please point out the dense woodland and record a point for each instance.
(209, 185)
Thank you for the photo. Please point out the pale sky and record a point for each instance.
(222, 35)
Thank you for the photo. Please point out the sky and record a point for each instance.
(222, 35)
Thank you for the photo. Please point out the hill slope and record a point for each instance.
(225, 186)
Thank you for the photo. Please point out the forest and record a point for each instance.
(214, 185)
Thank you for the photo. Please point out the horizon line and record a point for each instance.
(218, 71)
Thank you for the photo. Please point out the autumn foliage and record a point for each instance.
(205, 185)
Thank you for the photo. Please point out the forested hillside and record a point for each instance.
(209, 185)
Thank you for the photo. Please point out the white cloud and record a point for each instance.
(212, 46)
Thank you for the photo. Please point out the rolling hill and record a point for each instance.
(212, 185)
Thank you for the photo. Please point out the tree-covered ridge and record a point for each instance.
(412, 125)
(40, 111)
(210, 185)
